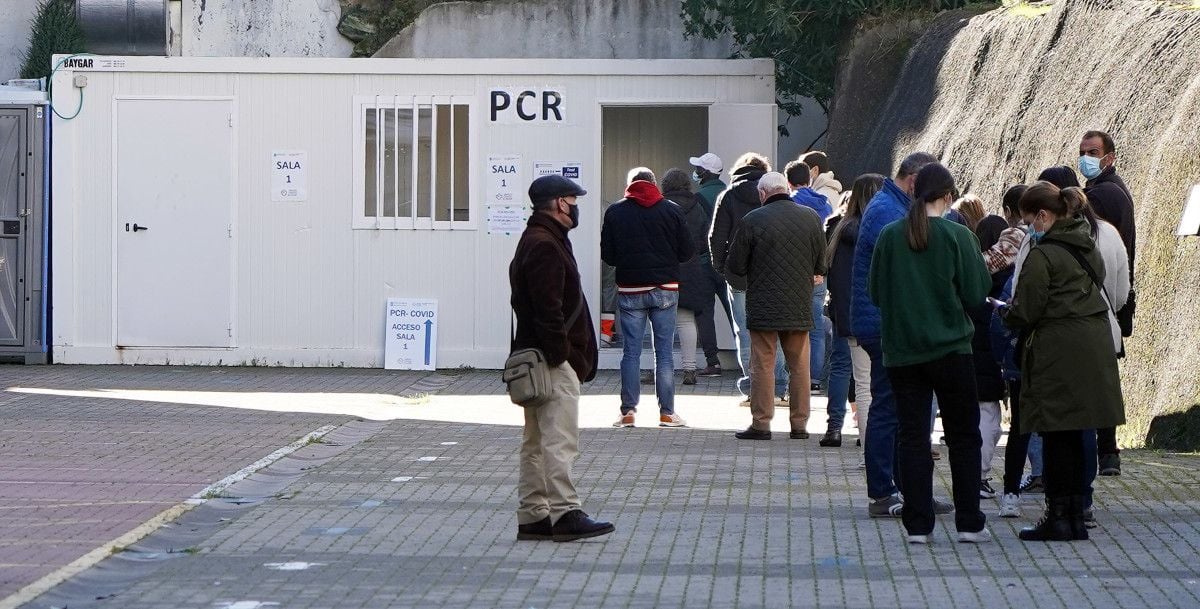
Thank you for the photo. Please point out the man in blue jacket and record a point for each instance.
(889, 205)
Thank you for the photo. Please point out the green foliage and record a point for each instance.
(54, 31)
(802, 36)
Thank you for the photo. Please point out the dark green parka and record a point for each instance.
(1069, 375)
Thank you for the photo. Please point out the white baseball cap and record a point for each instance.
(707, 161)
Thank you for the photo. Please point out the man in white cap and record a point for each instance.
(706, 171)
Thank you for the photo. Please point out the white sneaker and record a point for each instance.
(671, 420)
(919, 539)
(985, 489)
(1010, 506)
(981, 536)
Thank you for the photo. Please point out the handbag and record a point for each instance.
(527, 372)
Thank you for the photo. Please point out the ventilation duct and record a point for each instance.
(125, 27)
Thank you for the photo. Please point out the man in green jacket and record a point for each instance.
(706, 171)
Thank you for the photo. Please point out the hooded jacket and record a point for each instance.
(888, 205)
(828, 185)
(645, 237)
(779, 248)
(709, 190)
(1069, 377)
(738, 200)
(696, 282)
(840, 272)
(814, 201)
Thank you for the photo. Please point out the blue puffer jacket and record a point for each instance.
(888, 205)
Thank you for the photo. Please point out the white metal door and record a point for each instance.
(174, 199)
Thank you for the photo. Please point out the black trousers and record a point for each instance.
(952, 378)
(1063, 463)
(1018, 443)
(1106, 441)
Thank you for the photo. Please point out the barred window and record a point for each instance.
(414, 157)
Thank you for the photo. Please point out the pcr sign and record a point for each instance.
(527, 106)
(410, 342)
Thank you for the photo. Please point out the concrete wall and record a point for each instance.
(263, 28)
(15, 20)
(594, 29)
(1001, 96)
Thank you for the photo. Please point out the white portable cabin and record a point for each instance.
(232, 211)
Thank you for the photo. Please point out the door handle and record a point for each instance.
(137, 228)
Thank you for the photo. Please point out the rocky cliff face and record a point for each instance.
(999, 96)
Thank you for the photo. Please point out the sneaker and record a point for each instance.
(744, 403)
(647, 377)
(815, 389)
(626, 419)
(981, 536)
(1110, 465)
(535, 531)
(671, 420)
(710, 371)
(1010, 506)
(942, 507)
(575, 524)
(1032, 484)
(888, 507)
(1089, 519)
(918, 539)
(689, 377)
(985, 489)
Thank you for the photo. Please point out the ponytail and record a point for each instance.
(1076, 204)
(916, 225)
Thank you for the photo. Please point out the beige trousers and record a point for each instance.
(549, 448)
(762, 377)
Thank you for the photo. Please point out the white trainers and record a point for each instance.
(671, 420)
(918, 539)
(981, 536)
(1010, 506)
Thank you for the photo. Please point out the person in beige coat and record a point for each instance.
(823, 180)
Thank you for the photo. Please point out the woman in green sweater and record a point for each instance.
(1069, 376)
(926, 273)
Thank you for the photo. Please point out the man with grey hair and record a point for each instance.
(890, 204)
(780, 249)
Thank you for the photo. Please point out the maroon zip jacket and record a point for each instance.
(544, 278)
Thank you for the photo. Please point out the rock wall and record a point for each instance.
(591, 29)
(1000, 96)
(263, 28)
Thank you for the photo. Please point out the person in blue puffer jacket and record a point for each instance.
(887, 206)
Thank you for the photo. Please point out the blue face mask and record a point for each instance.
(695, 177)
(1036, 235)
(1089, 166)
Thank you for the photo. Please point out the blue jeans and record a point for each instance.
(816, 337)
(659, 307)
(840, 370)
(1035, 455)
(880, 449)
(737, 302)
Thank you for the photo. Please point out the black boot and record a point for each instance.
(1055, 525)
(832, 439)
(1079, 530)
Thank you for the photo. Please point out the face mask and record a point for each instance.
(1089, 166)
(695, 177)
(1034, 234)
(573, 212)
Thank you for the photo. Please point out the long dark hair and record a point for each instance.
(933, 182)
(865, 187)
(1062, 202)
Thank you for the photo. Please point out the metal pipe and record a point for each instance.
(125, 27)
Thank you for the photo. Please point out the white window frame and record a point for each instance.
(367, 103)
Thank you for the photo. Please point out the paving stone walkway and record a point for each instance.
(420, 512)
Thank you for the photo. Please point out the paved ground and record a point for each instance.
(417, 509)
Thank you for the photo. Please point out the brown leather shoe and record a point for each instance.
(753, 434)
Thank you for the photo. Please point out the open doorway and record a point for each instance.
(658, 137)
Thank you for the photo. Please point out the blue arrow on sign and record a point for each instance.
(428, 339)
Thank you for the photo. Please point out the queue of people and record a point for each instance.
(900, 298)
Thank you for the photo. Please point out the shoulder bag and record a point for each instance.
(527, 372)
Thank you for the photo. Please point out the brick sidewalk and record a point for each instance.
(421, 514)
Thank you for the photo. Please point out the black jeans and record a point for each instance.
(1106, 441)
(952, 378)
(706, 320)
(1018, 443)
(1063, 463)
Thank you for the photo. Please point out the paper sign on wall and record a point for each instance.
(1190, 225)
(566, 169)
(507, 219)
(288, 175)
(411, 335)
(506, 184)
